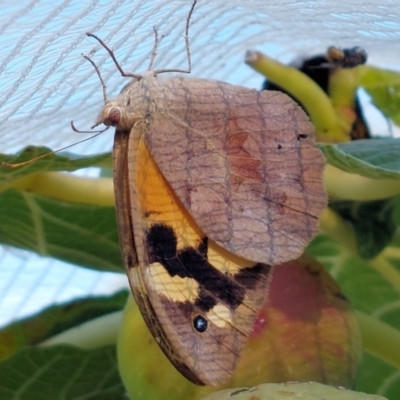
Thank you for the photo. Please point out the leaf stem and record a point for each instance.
(342, 87)
(343, 185)
(387, 270)
(99, 191)
(97, 332)
(334, 225)
(379, 338)
(67, 187)
(391, 252)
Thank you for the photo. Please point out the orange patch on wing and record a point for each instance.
(158, 202)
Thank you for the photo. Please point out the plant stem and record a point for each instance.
(343, 185)
(339, 184)
(342, 88)
(97, 332)
(67, 187)
(387, 270)
(333, 225)
(391, 252)
(379, 338)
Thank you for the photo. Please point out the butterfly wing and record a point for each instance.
(243, 163)
(198, 300)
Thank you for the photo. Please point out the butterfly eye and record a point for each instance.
(114, 116)
(200, 324)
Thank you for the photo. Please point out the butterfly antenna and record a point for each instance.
(189, 58)
(103, 85)
(155, 48)
(111, 53)
(22, 164)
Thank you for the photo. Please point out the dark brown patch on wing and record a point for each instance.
(250, 277)
(242, 165)
(191, 262)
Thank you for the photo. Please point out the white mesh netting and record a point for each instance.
(46, 83)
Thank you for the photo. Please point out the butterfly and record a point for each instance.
(214, 184)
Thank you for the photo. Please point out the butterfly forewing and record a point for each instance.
(243, 163)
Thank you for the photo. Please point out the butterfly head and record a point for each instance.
(110, 115)
(113, 114)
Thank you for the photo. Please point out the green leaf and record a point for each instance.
(384, 88)
(61, 372)
(372, 158)
(372, 221)
(81, 234)
(56, 319)
(47, 214)
(376, 376)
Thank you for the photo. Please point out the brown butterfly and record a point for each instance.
(214, 184)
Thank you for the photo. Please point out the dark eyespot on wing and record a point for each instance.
(200, 324)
